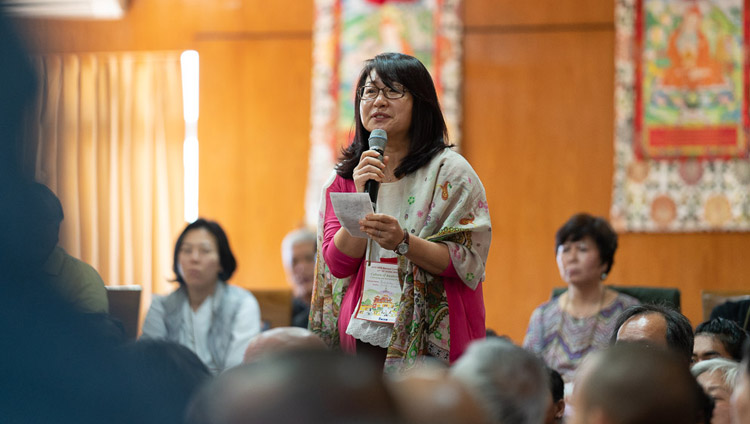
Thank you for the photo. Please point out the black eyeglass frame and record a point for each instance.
(360, 92)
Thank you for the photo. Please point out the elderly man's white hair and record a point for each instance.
(294, 237)
(509, 381)
(727, 367)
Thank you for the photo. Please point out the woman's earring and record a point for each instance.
(604, 276)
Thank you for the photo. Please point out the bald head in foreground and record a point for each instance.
(301, 386)
(282, 339)
(636, 384)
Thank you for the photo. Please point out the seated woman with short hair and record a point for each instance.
(565, 329)
(205, 314)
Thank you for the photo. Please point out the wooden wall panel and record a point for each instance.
(522, 14)
(254, 137)
(171, 24)
(537, 128)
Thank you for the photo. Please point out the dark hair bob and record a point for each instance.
(581, 225)
(226, 257)
(428, 133)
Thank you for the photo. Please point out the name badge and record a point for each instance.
(381, 294)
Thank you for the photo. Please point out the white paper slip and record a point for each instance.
(350, 208)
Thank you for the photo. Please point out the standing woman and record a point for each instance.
(432, 221)
(205, 314)
(581, 320)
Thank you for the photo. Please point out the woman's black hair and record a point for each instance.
(428, 133)
(556, 384)
(581, 225)
(226, 257)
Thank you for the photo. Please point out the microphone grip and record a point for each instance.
(372, 187)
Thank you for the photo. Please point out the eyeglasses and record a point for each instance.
(371, 92)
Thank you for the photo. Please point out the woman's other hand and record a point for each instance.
(383, 229)
(369, 168)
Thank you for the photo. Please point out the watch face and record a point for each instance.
(402, 248)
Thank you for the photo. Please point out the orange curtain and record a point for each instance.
(108, 140)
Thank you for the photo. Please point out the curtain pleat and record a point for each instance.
(108, 141)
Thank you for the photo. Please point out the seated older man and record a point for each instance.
(655, 325)
(509, 382)
(298, 255)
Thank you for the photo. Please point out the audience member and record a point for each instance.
(509, 382)
(565, 329)
(297, 387)
(718, 337)
(556, 409)
(55, 365)
(77, 281)
(427, 395)
(635, 384)
(298, 254)
(658, 325)
(718, 377)
(282, 339)
(210, 317)
(438, 239)
(163, 376)
(740, 400)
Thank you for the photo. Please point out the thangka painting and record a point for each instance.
(348, 32)
(681, 116)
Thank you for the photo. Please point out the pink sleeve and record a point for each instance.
(450, 271)
(340, 264)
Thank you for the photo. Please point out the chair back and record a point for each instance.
(275, 306)
(669, 296)
(125, 306)
(713, 298)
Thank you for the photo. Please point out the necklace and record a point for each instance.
(592, 332)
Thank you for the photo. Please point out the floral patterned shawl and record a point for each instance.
(445, 203)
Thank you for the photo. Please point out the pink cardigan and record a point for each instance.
(466, 313)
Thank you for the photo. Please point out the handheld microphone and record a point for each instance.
(378, 139)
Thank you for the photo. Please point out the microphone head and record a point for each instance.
(378, 139)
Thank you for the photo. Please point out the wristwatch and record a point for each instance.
(403, 247)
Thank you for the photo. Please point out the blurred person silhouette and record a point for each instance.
(282, 339)
(634, 383)
(556, 409)
(57, 367)
(718, 338)
(210, 317)
(78, 282)
(718, 377)
(298, 255)
(163, 376)
(427, 394)
(313, 386)
(510, 383)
